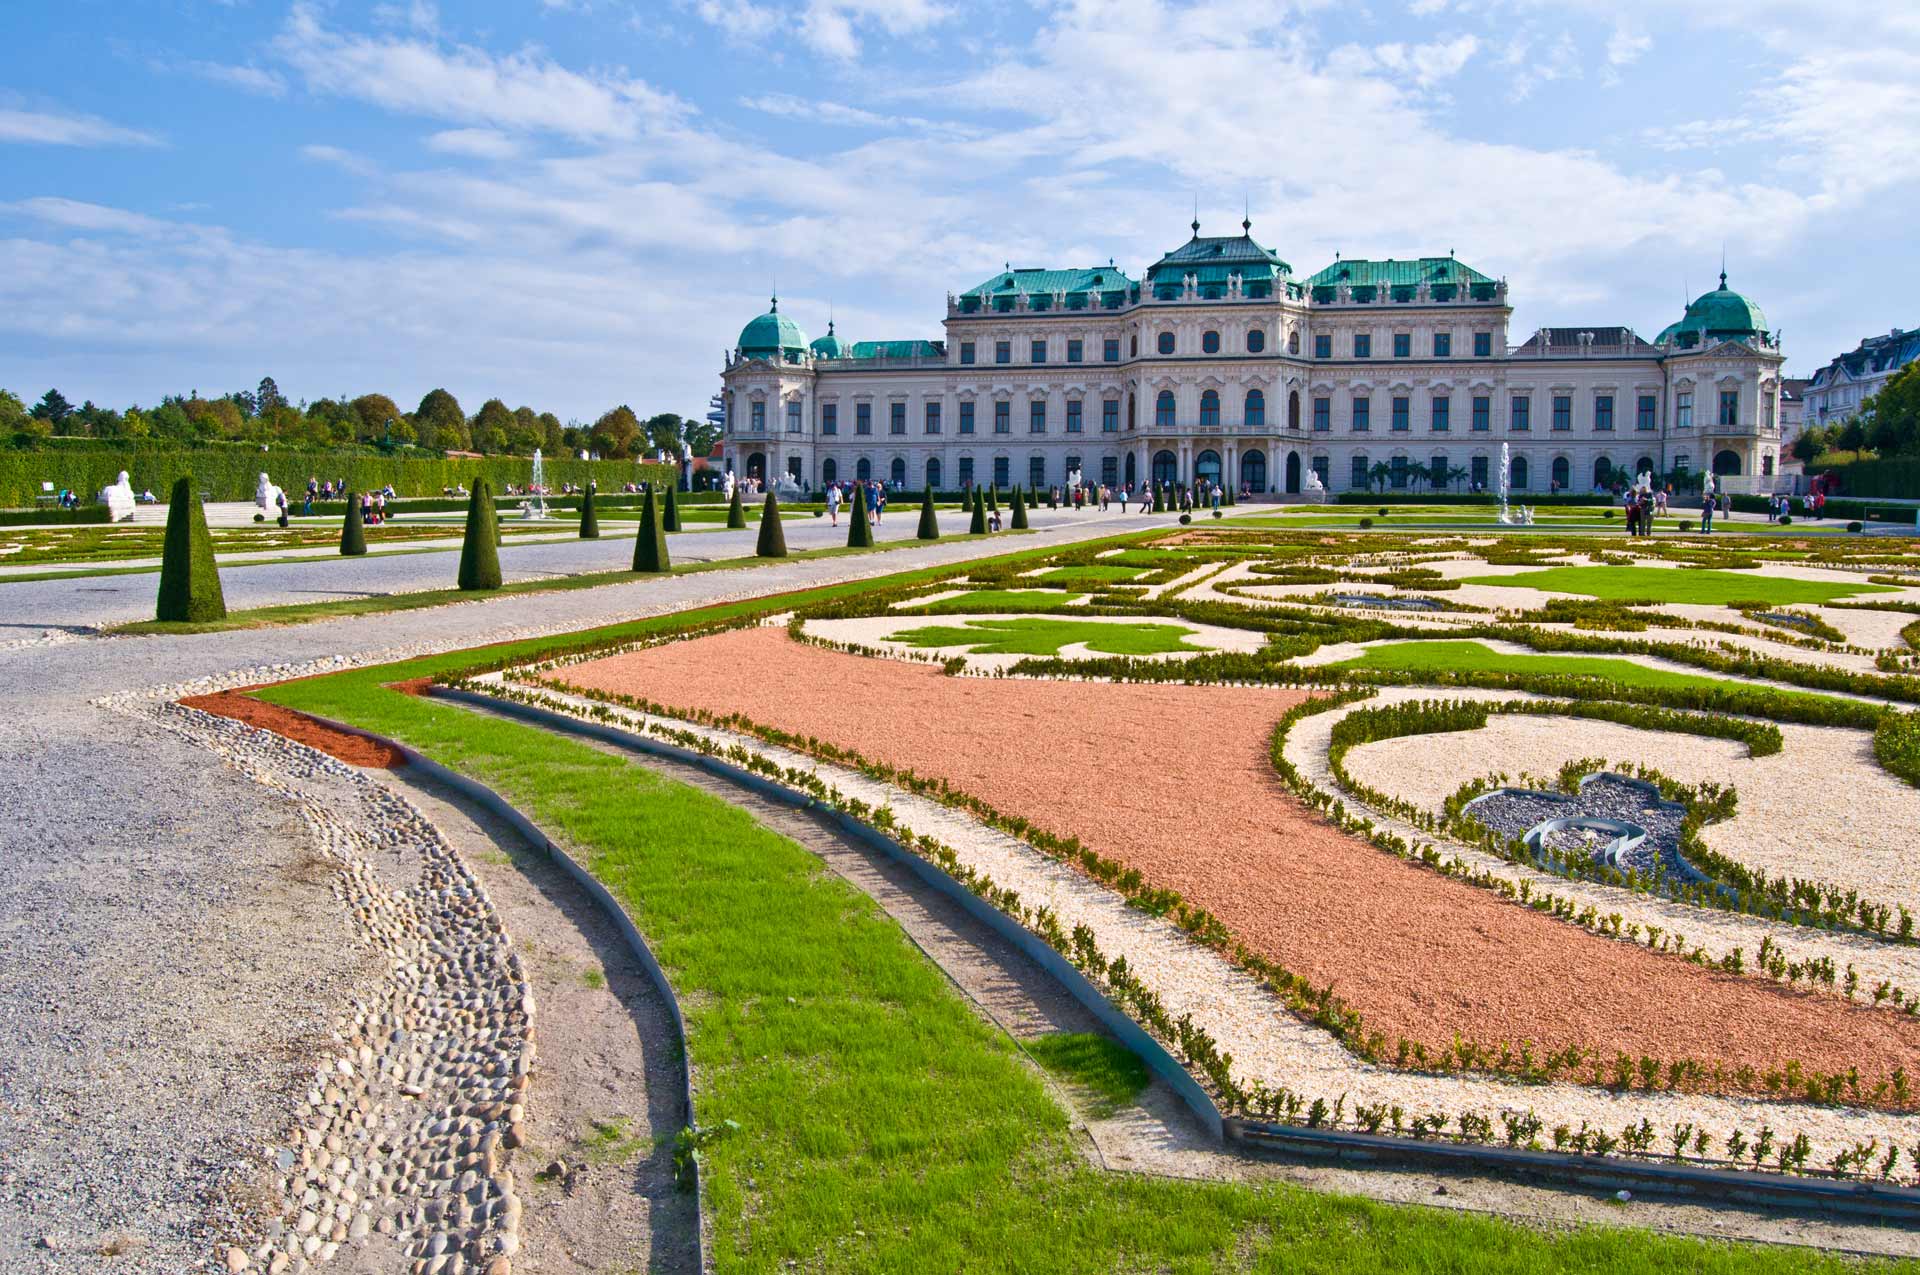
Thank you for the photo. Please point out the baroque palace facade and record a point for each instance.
(1219, 364)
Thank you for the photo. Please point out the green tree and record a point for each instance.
(372, 412)
(189, 581)
(1809, 443)
(650, 546)
(663, 434)
(1895, 411)
(54, 409)
(213, 418)
(929, 521)
(526, 432)
(553, 435)
(490, 427)
(480, 550)
(859, 530)
(773, 539)
(616, 434)
(353, 531)
(440, 422)
(699, 435)
(268, 396)
(15, 419)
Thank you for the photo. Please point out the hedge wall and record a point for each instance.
(231, 473)
(1897, 479)
(1469, 498)
(52, 517)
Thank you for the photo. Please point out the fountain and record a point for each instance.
(535, 505)
(1506, 475)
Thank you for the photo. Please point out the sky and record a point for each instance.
(578, 203)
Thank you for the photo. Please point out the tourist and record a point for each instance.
(1213, 494)
(993, 520)
(833, 504)
(879, 502)
(1106, 494)
(1125, 494)
(1706, 512)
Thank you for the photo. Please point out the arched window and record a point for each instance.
(1293, 341)
(757, 465)
(1166, 468)
(1253, 470)
(1256, 413)
(1256, 340)
(1293, 409)
(829, 472)
(1644, 465)
(1210, 409)
(933, 473)
(1517, 473)
(1362, 476)
(1293, 473)
(1166, 343)
(1206, 467)
(898, 471)
(863, 470)
(1562, 473)
(1163, 410)
(1209, 343)
(1726, 463)
(1129, 411)
(1602, 473)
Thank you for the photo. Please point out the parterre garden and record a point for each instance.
(1546, 842)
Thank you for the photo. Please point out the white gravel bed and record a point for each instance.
(1718, 932)
(877, 632)
(1821, 808)
(1268, 1043)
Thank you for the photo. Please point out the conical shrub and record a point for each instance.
(189, 580)
(480, 550)
(650, 546)
(1019, 520)
(929, 522)
(993, 503)
(670, 518)
(353, 532)
(1226, 495)
(589, 517)
(1159, 499)
(978, 527)
(773, 540)
(1053, 497)
(859, 530)
(736, 516)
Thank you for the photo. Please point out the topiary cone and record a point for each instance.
(189, 580)
(859, 530)
(736, 516)
(993, 504)
(978, 527)
(773, 540)
(670, 518)
(650, 546)
(353, 532)
(1159, 501)
(589, 517)
(929, 523)
(480, 550)
(1019, 520)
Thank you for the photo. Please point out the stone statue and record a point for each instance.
(118, 499)
(267, 495)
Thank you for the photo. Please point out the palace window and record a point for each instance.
(933, 418)
(1437, 471)
(1037, 416)
(1073, 351)
(1729, 407)
(1482, 413)
(896, 418)
(1210, 343)
(1001, 469)
(1561, 474)
(1402, 414)
(1522, 413)
(1254, 413)
(1163, 410)
(863, 418)
(1256, 340)
(1482, 349)
(1648, 406)
(1110, 350)
(966, 416)
(1036, 473)
(1110, 416)
(1293, 341)
(1362, 414)
(1403, 345)
(1397, 471)
(966, 471)
(966, 352)
(1362, 345)
(1683, 410)
(1210, 409)
(1682, 462)
(1322, 415)
(1073, 415)
(1038, 352)
(1166, 343)
(1479, 467)
(1442, 418)
(1443, 345)
(1003, 417)
(1603, 411)
(829, 418)
(1563, 411)
(1323, 347)
(793, 416)
(759, 418)
(1517, 476)
(1003, 351)
(1110, 470)
(1361, 476)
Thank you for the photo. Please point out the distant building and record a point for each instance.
(1836, 391)
(1220, 364)
(1793, 412)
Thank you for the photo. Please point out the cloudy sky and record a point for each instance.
(576, 203)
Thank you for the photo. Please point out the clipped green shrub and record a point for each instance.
(670, 516)
(929, 522)
(1365, 523)
(978, 526)
(650, 543)
(773, 540)
(859, 530)
(1609, 513)
(1786, 520)
(1019, 519)
(480, 549)
(55, 517)
(993, 502)
(1685, 525)
(1896, 742)
(1186, 519)
(736, 516)
(189, 580)
(1053, 498)
(589, 517)
(353, 531)
(1159, 500)
(1216, 513)
(1855, 528)
(1384, 511)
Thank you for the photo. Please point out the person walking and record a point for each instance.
(879, 502)
(833, 505)
(1125, 492)
(1706, 512)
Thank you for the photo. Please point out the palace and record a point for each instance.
(1220, 364)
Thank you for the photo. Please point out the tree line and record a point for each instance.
(1887, 424)
(438, 424)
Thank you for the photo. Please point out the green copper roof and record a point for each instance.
(772, 335)
(829, 346)
(895, 349)
(1229, 253)
(1358, 272)
(1034, 279)
(1722, 314)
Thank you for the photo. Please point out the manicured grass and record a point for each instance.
(1046, 637)
(1030, 600)
(1466, 656)
(1105, 1072)
(1661, 584)
(882, 1125)
(1095, 572)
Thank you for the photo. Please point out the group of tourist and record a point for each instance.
(876, 498)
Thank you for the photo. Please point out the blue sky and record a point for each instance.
(577, 203)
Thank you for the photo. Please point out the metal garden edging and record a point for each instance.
(491, 801)
(1877, 1200)
(1076, 984)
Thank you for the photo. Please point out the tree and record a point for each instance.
(213, 418)
(353, 532)
(526, 432)
(553, 435)
(616, 433)
(859, 530)
(664, 434)
(1379, 475)
(372, 412)
(650, 546)
(1809, 443)
(1457, 475)
(440, 422)
(929, 521)
(773, 539)
(589, 517)
(480, 550)
(268, 396)
(54, 409)
(189, 581)
(1895, 428)
(699, 435)
(490, 427)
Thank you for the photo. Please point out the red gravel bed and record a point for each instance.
(1178, 782)
(355, 750)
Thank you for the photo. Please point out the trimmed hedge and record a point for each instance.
(773, 539)
(1467, 498)
(353, 532)
(589, 519)
(1895, 479)
(929, 521)
(189, 581)
(480, 550)
(650, 540)
(859, 530)
(87, 514)
(230, 473)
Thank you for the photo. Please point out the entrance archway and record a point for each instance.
(829, 471)
(1293, 473)
(1206, 467)
(1253, 471)
(1726, 463)
(1561, 474)
(1166, 468)
(757, 465)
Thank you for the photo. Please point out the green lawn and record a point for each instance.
(1046, 637)
(1464, 656)
(1106, 1073)
(1090, 573)
(882, 1125)
(1662, 584)
(1029, 600)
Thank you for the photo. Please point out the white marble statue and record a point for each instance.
(118, 499)
(266, 494)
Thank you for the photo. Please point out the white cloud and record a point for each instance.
(252, 79)
(833, 28)
(475, 143)
(48, 128)
(1627, 46)
(74, 214)
(339, 157)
